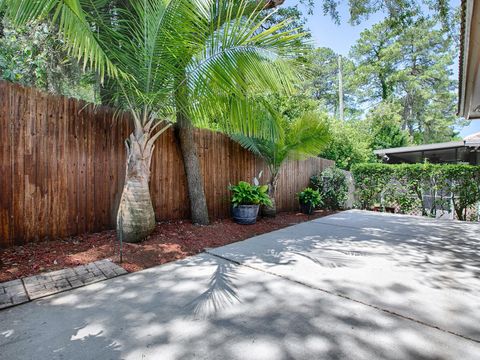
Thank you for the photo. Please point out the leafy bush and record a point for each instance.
(310, 197)
(464, 182)
(370, 183)
(418, 180)
(333, 187)
(349, 144)
(409, 186)
(247, 194)
(407, 202)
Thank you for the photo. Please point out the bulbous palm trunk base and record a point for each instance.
(136, 217)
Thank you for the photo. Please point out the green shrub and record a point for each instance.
(407, 202)
(370, 183)
(406, 186)
(333, 187)
(310, 197)
(464, 182)
(417, 180)
(247, 194)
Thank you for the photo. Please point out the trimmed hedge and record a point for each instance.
(407, 186)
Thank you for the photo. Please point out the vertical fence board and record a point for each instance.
(5, 165)
(18, 139)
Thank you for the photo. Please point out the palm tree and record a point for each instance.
(228, 54)
(304, 137)
(165, 56)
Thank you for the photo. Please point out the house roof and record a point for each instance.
(419, 148)
(464, 151)
(460, 58)
(472, 140)
(469, 75)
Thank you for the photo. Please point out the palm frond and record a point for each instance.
(307, 136)
(216, 52)
(142, 51)
(237, 58)
(249, 143)
(250, 116)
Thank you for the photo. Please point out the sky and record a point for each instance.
(341, 37)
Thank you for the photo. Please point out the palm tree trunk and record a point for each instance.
(191, 163)
(196, 193)
(271, 211)
(136, 217)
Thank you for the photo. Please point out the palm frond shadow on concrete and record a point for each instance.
(220, 294)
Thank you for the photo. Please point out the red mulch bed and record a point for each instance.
(170, 241)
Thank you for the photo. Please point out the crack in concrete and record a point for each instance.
(346, 297)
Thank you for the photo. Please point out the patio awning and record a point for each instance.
(469, 75)
(454, 152)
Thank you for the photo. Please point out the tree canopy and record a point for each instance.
(396, 86)
(413, 68)
(398, 12)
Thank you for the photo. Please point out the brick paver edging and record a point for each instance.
(33, 287)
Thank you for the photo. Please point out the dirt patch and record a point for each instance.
(170, 241)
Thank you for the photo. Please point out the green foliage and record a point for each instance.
(384, 122)
(407, 201)
(321, 81)
(349, 144)
(410, 68)
(74, 20)
(161, 57)
(370, 182)
(333, 187)
(310, 197)
(292, 106)
(401, 71)
(297, 20)
(398, 11)
(34, 55)
(246, 194)
(464, 182)
(406, 186)
(301, 138)
(418, 180)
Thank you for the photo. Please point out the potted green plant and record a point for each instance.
(309, 199)
(246, 200)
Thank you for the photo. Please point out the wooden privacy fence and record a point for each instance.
(62, 168)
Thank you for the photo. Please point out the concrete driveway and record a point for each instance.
(354, 285)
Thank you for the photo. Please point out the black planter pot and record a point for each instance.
(245, 214)
(307, 209)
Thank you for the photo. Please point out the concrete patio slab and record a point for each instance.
(204, 307)
(423, 269)
(417, 226)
